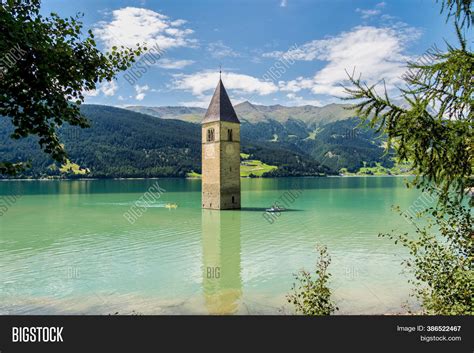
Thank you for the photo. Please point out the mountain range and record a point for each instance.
(253, 113)
(165, 141)
(331, 135)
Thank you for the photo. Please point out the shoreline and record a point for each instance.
(197, 178)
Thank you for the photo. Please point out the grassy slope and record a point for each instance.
(255, 167)
(247, 166)
(397, 169)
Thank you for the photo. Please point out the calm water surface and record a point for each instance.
(66, 247)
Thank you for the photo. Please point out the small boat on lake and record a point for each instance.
(275, 209)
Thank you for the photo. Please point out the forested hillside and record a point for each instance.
(122, 143)
(329, 135)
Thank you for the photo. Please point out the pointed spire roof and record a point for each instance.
(220, 108)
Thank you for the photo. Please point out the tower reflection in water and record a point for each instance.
(222, 282)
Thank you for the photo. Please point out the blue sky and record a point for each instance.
(288, 52)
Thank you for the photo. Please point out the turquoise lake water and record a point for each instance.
(70, 247)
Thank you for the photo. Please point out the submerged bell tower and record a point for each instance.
(220, 153)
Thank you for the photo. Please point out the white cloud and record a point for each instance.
(375, 53)
(294, 100)
(284, 3)
(296, 85)
(367, 13)
(178, 22)
(204, 82)
(140, 90)
(107, 88)
(202, 102)
(307, 52)
(91, 93)
(173, 64)
(132, 25)
(220, 50)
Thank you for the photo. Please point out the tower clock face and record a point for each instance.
(209, 152)
(229, 149)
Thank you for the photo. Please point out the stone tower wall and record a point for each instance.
(221, 166)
